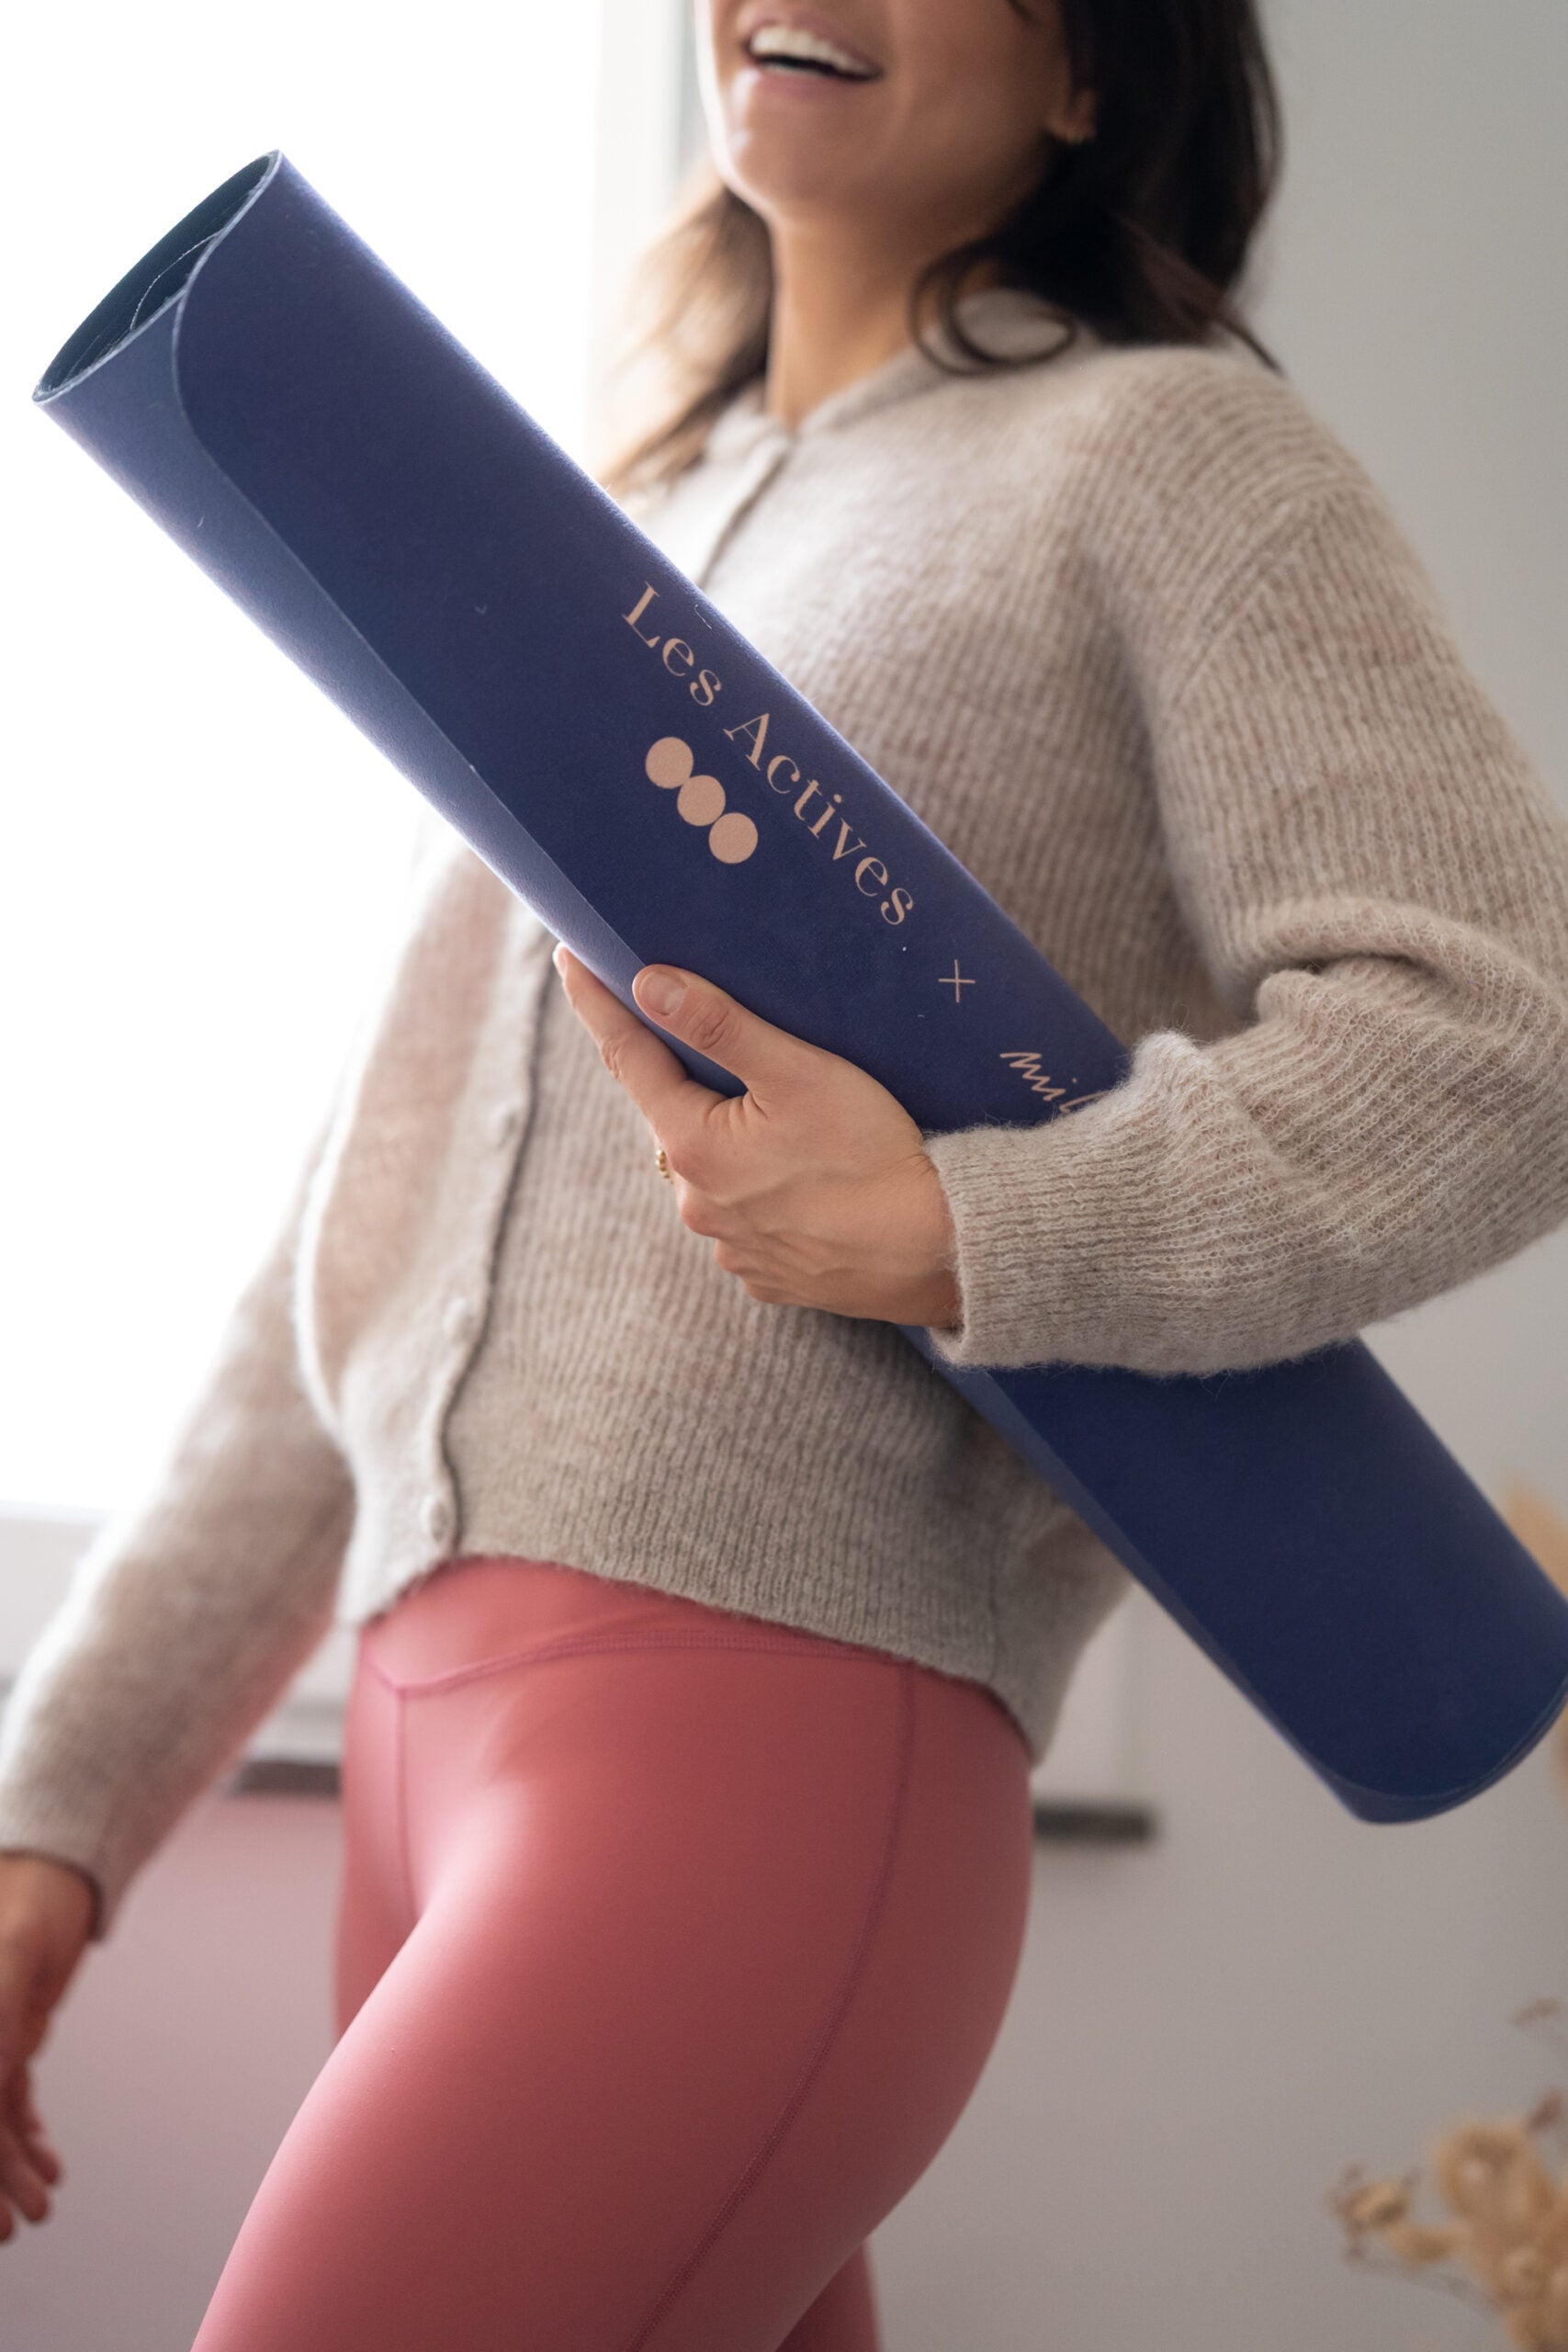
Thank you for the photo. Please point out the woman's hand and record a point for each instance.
(46, 1911)
(813, 1185)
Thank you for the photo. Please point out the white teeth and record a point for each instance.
(789, 40)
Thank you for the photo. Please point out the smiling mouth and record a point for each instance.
(785, 48)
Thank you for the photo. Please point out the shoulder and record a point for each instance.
(1159, 445)
(1181, 436)
(1179, 473)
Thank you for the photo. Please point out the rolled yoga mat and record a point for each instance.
(314, 437)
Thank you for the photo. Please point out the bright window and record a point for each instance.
(204, 861)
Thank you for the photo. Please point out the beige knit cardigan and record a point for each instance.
(1135, 635)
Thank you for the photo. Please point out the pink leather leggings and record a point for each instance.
(671, 1947)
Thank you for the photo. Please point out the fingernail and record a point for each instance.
(661, 991)
(555, 955)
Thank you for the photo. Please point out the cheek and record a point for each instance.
(974, 81)
(976, 139)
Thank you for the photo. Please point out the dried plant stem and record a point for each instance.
(1477, 2297)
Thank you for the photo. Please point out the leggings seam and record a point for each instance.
(546, 1653)
(731, 2203)
(412, 1907)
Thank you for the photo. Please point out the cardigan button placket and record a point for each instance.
(766, 459)
(464, 1313)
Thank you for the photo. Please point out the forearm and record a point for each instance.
(1377, 882)
(1209, 1217)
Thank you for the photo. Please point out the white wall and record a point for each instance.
(204, 861)
(1205, 2031)
(1415, 293)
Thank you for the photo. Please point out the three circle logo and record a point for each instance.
(700, 800)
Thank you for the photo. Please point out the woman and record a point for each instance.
(706, 1636)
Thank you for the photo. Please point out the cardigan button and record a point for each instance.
(460, 1318)
(506, 1121)
(436, 1519)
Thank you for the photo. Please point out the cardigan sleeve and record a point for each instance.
(188, 1614)
(1377, 881)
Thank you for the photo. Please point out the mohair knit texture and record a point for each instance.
(1135, 635)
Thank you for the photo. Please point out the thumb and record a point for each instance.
(768, 1061)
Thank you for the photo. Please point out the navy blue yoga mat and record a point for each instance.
(288, 411)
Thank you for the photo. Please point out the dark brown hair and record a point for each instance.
(1142, 231)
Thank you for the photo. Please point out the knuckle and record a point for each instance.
(711, 1027)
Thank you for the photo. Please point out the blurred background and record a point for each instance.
(202, 868)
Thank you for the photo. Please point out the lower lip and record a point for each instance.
(751, 77)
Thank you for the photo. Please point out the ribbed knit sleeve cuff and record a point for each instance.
(1057, 1244)
(1141, 1232)
(996, 1238)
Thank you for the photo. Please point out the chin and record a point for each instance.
(799, 180)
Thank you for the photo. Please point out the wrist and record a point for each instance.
(937, 1302)
(25, 1871)
(935, 1294)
